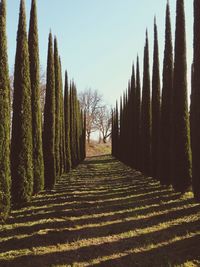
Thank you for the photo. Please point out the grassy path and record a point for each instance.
(103, 214)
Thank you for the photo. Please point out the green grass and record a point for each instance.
(104, 214)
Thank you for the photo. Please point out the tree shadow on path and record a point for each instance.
(103, 214)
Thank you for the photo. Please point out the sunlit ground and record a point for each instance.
(104, 214)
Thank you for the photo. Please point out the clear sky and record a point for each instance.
(99, 39)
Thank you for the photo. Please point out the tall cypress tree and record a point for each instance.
(57, 108)
(132, 119)
(4, 118)
(166, 106)
(78, 128)
(116, 137)
(72, 125)
(146, 114)
(181, 151)
(38, 163)
(67, 123)
(195, 108)
(62, 126)
(84, 136)
(49, 121)
(21, 143)
(155, 105)
(137, 118)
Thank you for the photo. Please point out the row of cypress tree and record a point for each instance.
(38, 150)
(152, 133)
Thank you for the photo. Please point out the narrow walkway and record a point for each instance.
(103, 214)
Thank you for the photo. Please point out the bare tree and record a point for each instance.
(91, 101)
(103, 122)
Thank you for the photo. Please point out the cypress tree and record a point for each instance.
(62, 131)
(21, 143)
(79, 130)
(57, 108)
(67, 123)
(4, 118)
(166, 106)
(195, 108)
(120, 148)
(38, 163)
(181, 151)
(146, 114)
(116, 137)
(49, 121)
(72, 126)
(112, 134)
(137, 118)
(155, 105)
(132, 119)
(84, 136)
(81, 135)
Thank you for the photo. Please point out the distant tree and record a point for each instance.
(21, 142)
(195, 107)
(181, 150)
(166, 106)
(38, 163)
(103, 122)
(5, 177)
(91, 101)
(146, 114)
(155, 105)
(49, 122)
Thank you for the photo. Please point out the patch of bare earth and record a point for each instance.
(104, 214)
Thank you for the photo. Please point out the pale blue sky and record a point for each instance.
(99, 39)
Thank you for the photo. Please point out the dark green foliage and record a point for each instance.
(76, 127)
(67, 123)
(181, 151)
(137, 118)
(195, 105)
(146, 115)
(62, 125)
(115, 132)
(155, 106)
(38, 163)
(166, 107)
(84, 136)
(49, 122)
(72, 126)
(4, 119)
(57, 109)
(73, 120)
(131, 121)
(21, 143)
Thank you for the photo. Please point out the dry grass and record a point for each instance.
(104, 214)
(96, 149)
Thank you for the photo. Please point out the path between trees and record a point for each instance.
(103, 214)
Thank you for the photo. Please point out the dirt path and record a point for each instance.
(104, 214)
